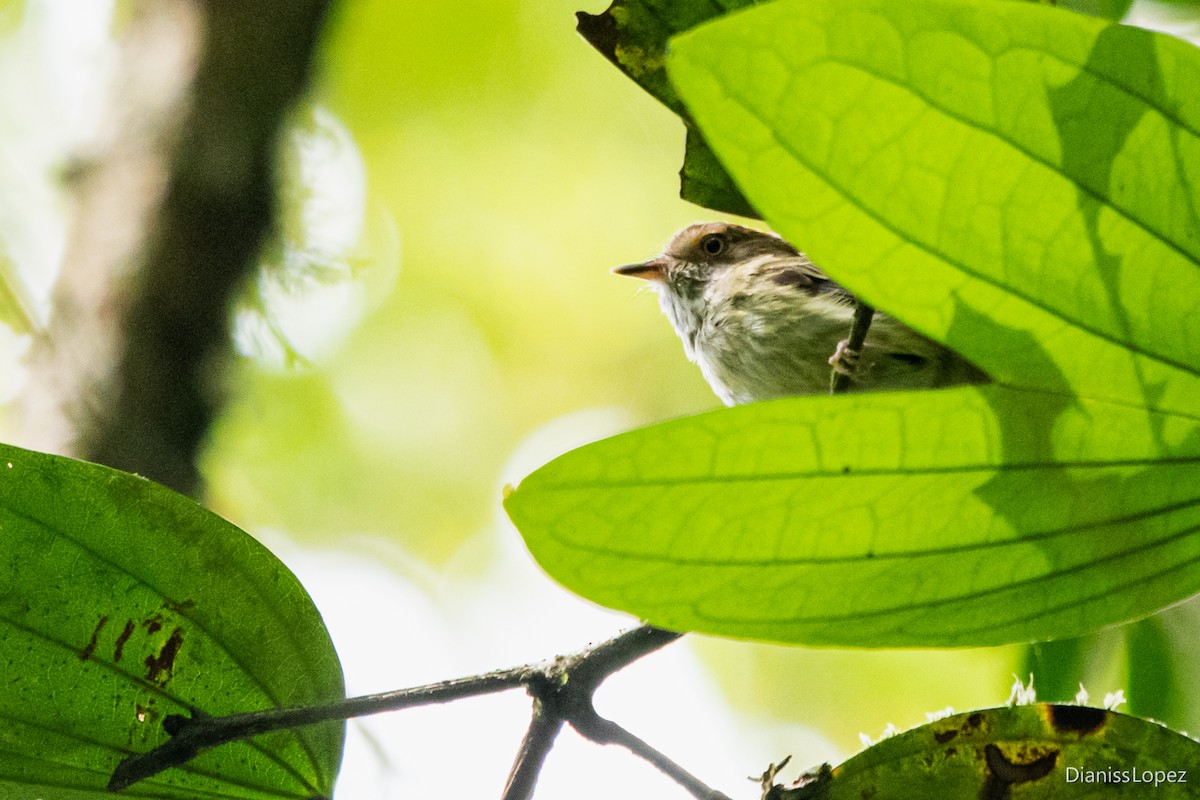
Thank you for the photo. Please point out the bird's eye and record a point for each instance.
(713, 244)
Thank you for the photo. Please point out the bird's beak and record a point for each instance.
(652, 270)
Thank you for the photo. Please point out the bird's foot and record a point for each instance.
(844, 360)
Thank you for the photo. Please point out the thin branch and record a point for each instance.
(596, 728)
(192, 735)
(592, 666)
(565, 692)
(539, 739)
(574, 700)
(562, 691)
(840, 381)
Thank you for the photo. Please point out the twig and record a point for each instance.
(840, 381)
(576, 704)
(192, 735)
(535, 746)
(589, 668)
(562, 691)
(596, 728)
(564, 694)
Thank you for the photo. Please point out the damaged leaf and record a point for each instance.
(633, 35)
(122, 602)
(1032, 752)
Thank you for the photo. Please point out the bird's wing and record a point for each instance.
(805, 276)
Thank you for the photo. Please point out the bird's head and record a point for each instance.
(699, 251)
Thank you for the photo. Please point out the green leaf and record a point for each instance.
(633, 35)
(972, 516)
(703, 181)
(1059, 668)
(1152, 659)
(1161, 652)
(1037, 751)
(122, 602)
(1108, 9)
(1034, 206)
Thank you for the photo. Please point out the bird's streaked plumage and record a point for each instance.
(763, 321)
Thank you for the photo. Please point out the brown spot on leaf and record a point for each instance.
(126, 632)
(90, 647)
(944, 736)
(1076, 719)
(1003, 773)
(159, 667)
(154, 624)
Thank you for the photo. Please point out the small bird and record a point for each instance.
(763, 321)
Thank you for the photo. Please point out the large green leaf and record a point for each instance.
(122, 602)
(971, 516)
(1032, 752)
(1015, 180)
(633, 35)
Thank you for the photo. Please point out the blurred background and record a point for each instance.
(435, 319)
